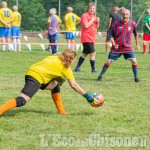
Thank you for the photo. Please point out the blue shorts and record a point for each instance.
(5, 32)
(70, 35)
(115, 56)
(56, 36)
(15, 31)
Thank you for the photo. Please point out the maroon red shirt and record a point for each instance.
(122, 34)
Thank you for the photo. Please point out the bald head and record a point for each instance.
(115, 9)
(4, 4)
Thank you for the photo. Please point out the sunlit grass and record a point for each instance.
(125, 112)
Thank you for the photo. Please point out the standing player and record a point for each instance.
(114, 16)
(146, 30)
(89, 26)
(56, 35)
(49, 74)
(53, 24)
(71, 20)
(120, 35)
(6, 18)
(15, 30)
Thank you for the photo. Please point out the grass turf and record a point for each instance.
(124, 113)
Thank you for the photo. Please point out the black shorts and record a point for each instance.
(32, 85)
(88, 48)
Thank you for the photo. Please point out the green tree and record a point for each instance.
(35, 12)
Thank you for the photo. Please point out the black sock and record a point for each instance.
(80, 61)
(92, 62)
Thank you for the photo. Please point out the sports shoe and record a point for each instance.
(77, 70)
(94, 70)
(99, 78)
(63, 113)
(136, 80)
(48, 49)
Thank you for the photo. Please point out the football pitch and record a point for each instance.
(122, 122)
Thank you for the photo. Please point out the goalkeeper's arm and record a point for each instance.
(74, 85)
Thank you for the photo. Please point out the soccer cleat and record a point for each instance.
(63, 113)
(99, 78)
(136, 80)
(77, 70)
(94, 70)
(48, 49)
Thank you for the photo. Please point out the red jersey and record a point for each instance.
(88, 34)
(122, 34)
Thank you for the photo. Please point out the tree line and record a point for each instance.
(35, 12)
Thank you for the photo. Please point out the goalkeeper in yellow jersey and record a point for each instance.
(49, 74)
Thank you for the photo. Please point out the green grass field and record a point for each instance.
(37, 126)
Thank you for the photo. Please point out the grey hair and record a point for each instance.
(70, 8)
(15, 7)
(148, 10)
(91, 4)
(125, 10)
(52, 11)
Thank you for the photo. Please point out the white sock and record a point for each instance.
(3, 47)
(19, 44)
(15, 45)
(69, 46)
(9, 47)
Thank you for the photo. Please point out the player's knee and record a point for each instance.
(108, 63)
(20, 101)
(56, 89)
(133, 61)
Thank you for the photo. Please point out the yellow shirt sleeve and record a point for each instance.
(49, 68)
(17, 19)
(58, 19)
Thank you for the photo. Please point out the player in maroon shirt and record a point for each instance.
(121, 34)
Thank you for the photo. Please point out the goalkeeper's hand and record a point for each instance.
(90, 98)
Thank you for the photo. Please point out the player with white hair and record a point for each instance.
(15, 30)
(59, 24)
(70, 21)
(52, 29)
(121, 35)
(146, 30)
(6, 18)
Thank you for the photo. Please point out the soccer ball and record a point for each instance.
(100, 99)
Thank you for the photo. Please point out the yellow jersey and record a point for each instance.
(17, 19)
(58, 19)
(49, 68)
(5, 15)
(71, 19)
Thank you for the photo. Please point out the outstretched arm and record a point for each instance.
(74, 85)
